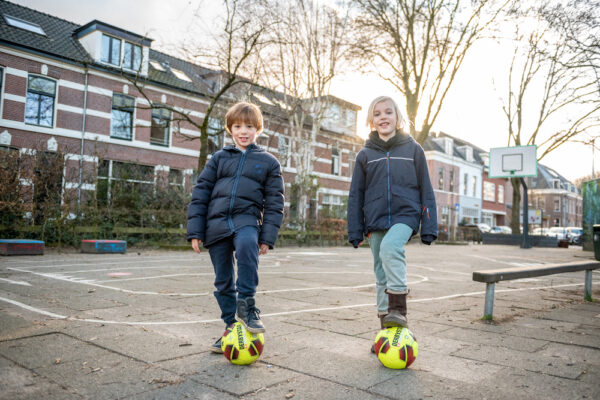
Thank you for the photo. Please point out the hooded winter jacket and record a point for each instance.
(390, 185)
(237, 189)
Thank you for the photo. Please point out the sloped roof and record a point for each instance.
(546, 176)
(57, 42)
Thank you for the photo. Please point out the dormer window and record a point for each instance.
(111, 50)
(22, 24)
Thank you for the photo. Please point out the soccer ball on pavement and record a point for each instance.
(240, 346)
(396, 347)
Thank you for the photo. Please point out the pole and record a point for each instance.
(525, 244)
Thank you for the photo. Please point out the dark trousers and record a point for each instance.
(244, 243)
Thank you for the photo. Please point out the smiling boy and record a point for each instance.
(237, 209)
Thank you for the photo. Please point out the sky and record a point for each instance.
(471, 112)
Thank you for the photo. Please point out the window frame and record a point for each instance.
(451, 181)
(110, 45)
(489, 191)
(2, 84)
(39, 93)
(474, 183)
(284, 143)
(441, 178)
(159, 111)
(466, 187)
(123, 109)
(336, 165)
(132, 66)
(501, 194)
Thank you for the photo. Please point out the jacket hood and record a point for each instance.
(375, 142)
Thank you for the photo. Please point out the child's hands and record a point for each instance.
(264, 249)
(196, 245)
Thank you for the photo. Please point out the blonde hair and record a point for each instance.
(380, 99)
(245, 113)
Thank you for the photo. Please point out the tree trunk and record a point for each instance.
(515, 220)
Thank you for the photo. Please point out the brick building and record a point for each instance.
(559, 200)
(67, 88)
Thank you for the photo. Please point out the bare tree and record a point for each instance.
(419, 46)
(552, 95)
(231, 60)
(307, 44)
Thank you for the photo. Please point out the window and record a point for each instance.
(333, 206)
(451, 178)
(474, 186)
(175, 177)
(22, 24)
(441, 179)
(157, 66)
(501, 194)
(351, 162)
(123, 184)
(159, 131)
(489, 191)
(556, 204)
(466, 184)
(335, 162)
(283, 148)
(121, 121)
(132, 56)
(180, 74)
(39, 106)
(111, 50)
(1, 79)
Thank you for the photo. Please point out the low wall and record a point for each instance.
(535, 240)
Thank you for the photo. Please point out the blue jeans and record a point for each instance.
(389, 262)
(244, 243)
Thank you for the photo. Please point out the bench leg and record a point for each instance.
(488, 309)
(588, 285)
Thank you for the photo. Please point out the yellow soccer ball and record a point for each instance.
(396, 347)
(240, 346)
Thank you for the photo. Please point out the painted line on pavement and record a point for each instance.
(204, 321)
(15, 282)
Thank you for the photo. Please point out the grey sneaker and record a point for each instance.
(216, 347)
(249, 315)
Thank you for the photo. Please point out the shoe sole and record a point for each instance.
(251, 330)
(216, 350)
(391, 324)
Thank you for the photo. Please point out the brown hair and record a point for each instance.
(245, 113)
(370, 117)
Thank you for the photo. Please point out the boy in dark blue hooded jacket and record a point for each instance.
(391, 197)
(237, 208)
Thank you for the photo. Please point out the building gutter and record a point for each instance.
(83, 122)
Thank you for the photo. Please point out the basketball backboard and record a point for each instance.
(513, 162)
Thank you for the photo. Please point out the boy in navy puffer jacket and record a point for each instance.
(237, 207)
(390, 198)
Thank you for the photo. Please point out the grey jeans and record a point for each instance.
(389, 262)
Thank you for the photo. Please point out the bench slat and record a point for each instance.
(505, 274)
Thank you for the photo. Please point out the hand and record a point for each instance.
(196, 243)
(264, 249)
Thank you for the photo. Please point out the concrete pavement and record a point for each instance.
(138, 326)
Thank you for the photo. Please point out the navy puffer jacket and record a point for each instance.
(237, 189)
(390, 185)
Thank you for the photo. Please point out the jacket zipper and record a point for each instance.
(234, 191)
(389, 201)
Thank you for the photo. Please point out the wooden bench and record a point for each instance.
(490, 278)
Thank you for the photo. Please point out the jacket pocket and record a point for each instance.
(405, 201)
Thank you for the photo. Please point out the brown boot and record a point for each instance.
(381, 317)
(397, 311)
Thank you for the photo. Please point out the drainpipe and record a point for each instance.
(85, 92)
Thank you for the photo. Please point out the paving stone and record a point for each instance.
(522, 360)
(308, 387)
(188, 389)
(110, 376)
(501, 340)
(214, 370)
(18, 383)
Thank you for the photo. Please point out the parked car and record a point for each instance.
(484, 228)
(541, 231)
(501, 229)
(559, 232)
(575, 235)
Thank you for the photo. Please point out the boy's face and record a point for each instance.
(244, 134)
(384, 118)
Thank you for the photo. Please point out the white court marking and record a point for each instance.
(15, 282)
(204, 321)
(92, 282)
